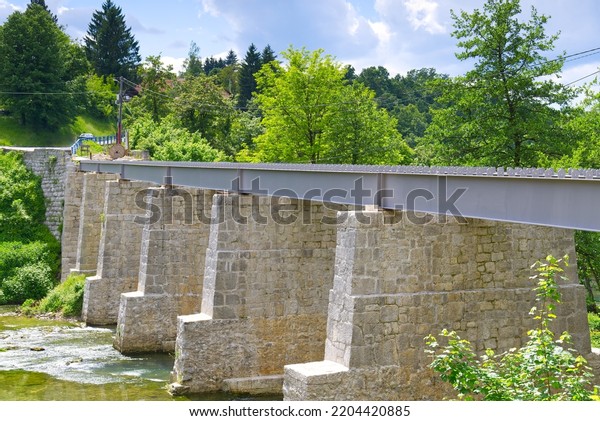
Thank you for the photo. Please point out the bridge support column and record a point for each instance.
(71, 219)
(269, 267)
(396, 283)
(173, 251)
(118, 252)
(90, 222)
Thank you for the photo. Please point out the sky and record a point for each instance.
(398, 34)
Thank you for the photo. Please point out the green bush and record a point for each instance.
(29, 281)
(65, 298)
(29, 253)
(541, 370)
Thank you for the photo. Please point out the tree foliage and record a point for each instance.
(156, 83)
(541, 370)
(29, 254)
(109, 44)
(311, 114)
(201, 105)
(251, 64)
(38, 64)
(506, 110)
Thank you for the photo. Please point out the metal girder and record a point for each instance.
(529, 196)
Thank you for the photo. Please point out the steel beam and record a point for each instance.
(529, 196)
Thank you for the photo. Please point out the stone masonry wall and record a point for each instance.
(90, 222)
(51, 165)
(118, 255)
(71, 218)
(265, 294)
(395, 284)
(171, 270)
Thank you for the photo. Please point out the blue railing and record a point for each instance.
(100, 140)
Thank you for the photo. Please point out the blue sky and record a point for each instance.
(398, 34)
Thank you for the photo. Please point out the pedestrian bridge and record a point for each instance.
(320, 281)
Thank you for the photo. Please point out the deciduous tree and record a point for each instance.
(312, 114)
(38, 62)
(505, 111)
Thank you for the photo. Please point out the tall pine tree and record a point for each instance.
(109, 44)
(251, 64)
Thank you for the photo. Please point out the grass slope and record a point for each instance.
(13, 134)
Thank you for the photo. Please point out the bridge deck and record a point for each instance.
(565, 199)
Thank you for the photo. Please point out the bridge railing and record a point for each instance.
(100, 140)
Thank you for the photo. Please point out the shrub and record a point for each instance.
(29, 281)
(540, 370)
(29, 253)
(66, 298)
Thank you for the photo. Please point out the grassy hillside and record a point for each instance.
(13, 134)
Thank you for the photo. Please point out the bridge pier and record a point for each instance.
(90, 221)
(173, 251)
(269, 267)
(118, 252)
(396, 283)
(71, 218)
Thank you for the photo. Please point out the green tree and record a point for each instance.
(168, 141)
(35, 69)
(193, 63)
(202, 106)
(156, 82)
(268, 55)
(43, 4)
(505, 111)
(251, 64)
(109, 44)
(311, 114)
(362, 133)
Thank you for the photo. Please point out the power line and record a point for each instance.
(582, 78)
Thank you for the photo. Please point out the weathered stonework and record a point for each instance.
(90, 222)
(171, 270)
(71, 218)
(52, 166)
(118, 252)
(394, 284)
(265, 294)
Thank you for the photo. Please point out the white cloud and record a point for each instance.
(176, 62)
(6, 9)
(209, 7)
(424, 14)
(382, 30)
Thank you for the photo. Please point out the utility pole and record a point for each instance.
(118, 151)
(120, 121)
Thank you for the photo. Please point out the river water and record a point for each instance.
(56, 360)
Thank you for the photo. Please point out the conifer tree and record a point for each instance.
(251, 64)
(110, 46)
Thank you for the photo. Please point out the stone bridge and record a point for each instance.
(268, 279)
(316, 281)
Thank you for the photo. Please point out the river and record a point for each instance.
(49, 360)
